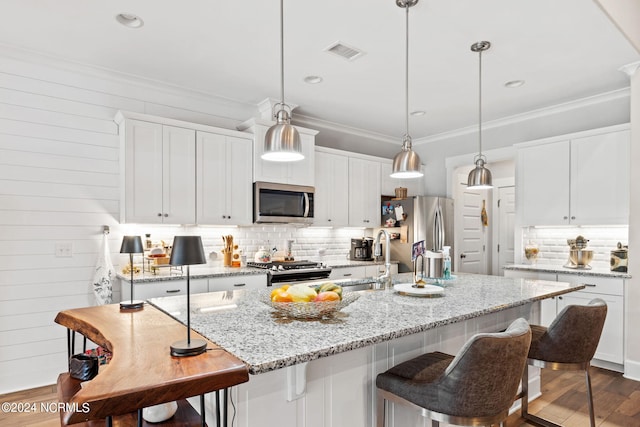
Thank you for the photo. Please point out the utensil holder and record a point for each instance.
(226, 259)
(401, 193)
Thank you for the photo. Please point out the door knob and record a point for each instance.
(463, 255)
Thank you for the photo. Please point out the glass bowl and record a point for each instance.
(310, 310)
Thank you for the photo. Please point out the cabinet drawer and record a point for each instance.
(596, 285)
(348, 272)
(231, 283)
(377, 269)
(165, 288)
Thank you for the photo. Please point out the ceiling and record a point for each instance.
(563, 50)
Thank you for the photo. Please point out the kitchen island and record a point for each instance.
(321, 372)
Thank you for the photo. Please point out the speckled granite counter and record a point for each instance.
(564, 270)
(239, 322)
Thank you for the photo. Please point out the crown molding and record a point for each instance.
(313, 122)
(529, 115)
(630, 69)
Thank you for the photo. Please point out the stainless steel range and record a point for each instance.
(292, 271)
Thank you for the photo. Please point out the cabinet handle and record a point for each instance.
(590, 285)
(238, 285)
(573, 217)
(159, 214)
(560, 298)
(329, 220)
(166, 215)
(172, 291)
(224, 217)
(566, 217)
(347, 274)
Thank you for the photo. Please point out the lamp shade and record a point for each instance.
(406, 164)
(131, 245)
(187, 250)
(282, 141)
(480, 177)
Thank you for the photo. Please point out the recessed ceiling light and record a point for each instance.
(130, 20)
(313, 80)
(418, 113)
(514, 83)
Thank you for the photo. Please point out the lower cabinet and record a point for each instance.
(611, 347)
(360, 271)
(167, 288)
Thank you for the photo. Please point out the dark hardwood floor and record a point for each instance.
(563, 400)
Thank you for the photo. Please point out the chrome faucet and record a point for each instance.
(384, 280)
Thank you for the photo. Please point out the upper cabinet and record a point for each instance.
(414, 186)
(224, 188)
(159, 185)
(175, 172)
(331, 203)
(299, 173)
(364, 193)
(580, 179)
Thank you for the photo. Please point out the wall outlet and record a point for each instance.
(64, 250)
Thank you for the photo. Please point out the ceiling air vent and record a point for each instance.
(342, 50)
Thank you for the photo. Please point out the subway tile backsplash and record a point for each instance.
(307, 241)
(552, 242)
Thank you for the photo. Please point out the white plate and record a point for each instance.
(412, 290)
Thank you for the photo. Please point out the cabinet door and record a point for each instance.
(611, 346)
(543, 184)
(239, 282)
(348, 272)
(364, 193)
(142, 172)
(178, 175)
(164, 288)
(224, 186)
(600, 179)
(388, 185)
(331, 199)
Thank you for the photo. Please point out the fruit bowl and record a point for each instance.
(310, 310)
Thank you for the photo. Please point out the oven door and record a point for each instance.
(282, 203)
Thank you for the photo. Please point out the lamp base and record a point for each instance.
(131, 305)
(185, 348)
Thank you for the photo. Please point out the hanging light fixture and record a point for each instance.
(480, 177)
(406, 164)
(282, 141)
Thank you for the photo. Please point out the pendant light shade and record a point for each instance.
(282, 141)
(406, 164)
(480, 177)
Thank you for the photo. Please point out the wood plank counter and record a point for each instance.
(141, 372)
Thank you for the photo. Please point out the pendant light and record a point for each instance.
(480, 177)
(282, 140)
(406, 164)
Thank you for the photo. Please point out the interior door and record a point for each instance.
(506, 225)
(471, 237)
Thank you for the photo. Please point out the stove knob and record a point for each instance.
(280, 268)
(274, 268)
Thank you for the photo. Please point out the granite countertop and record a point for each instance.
(249, 329)
(550, 268)
(218, 270)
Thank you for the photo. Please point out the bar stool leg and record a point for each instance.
(139, 417)
(380, 402)
(203, 420)
(524, 404)
(592, 416)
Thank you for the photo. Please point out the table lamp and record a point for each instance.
(131, 245)
(187, 250)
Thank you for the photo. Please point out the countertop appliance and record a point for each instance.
(292, 271)
(579, 255)
(282, 203)
(361, 249)
(427, 218)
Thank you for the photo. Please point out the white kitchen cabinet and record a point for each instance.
(224, 186)
(298, 173)
(162, 288)
(360, 271)
(238, 282)
(414, 186)
(331, 199)
(158, 179)
(377, 269)
(580, 179)
(364, 193)
(611, 346)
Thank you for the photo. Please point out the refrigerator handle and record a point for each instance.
(438, 235)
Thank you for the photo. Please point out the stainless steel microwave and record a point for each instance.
(282, 203)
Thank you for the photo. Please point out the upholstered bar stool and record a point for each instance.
(569, 343)
(476, 387)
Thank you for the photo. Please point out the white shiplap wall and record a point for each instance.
(59, 184)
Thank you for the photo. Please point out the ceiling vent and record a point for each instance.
(342, 50)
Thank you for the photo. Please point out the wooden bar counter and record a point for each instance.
(141, 372)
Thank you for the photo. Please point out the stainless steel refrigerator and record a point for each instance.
(418, 218)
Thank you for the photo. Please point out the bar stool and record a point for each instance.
(569, 343)
(476, 387)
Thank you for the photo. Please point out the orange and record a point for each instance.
(281, 296)
(327, 296)
(278, 290)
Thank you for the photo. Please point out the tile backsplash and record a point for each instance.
(307, 241)
(552, 242)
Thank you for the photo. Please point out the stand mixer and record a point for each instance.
(579, 256)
